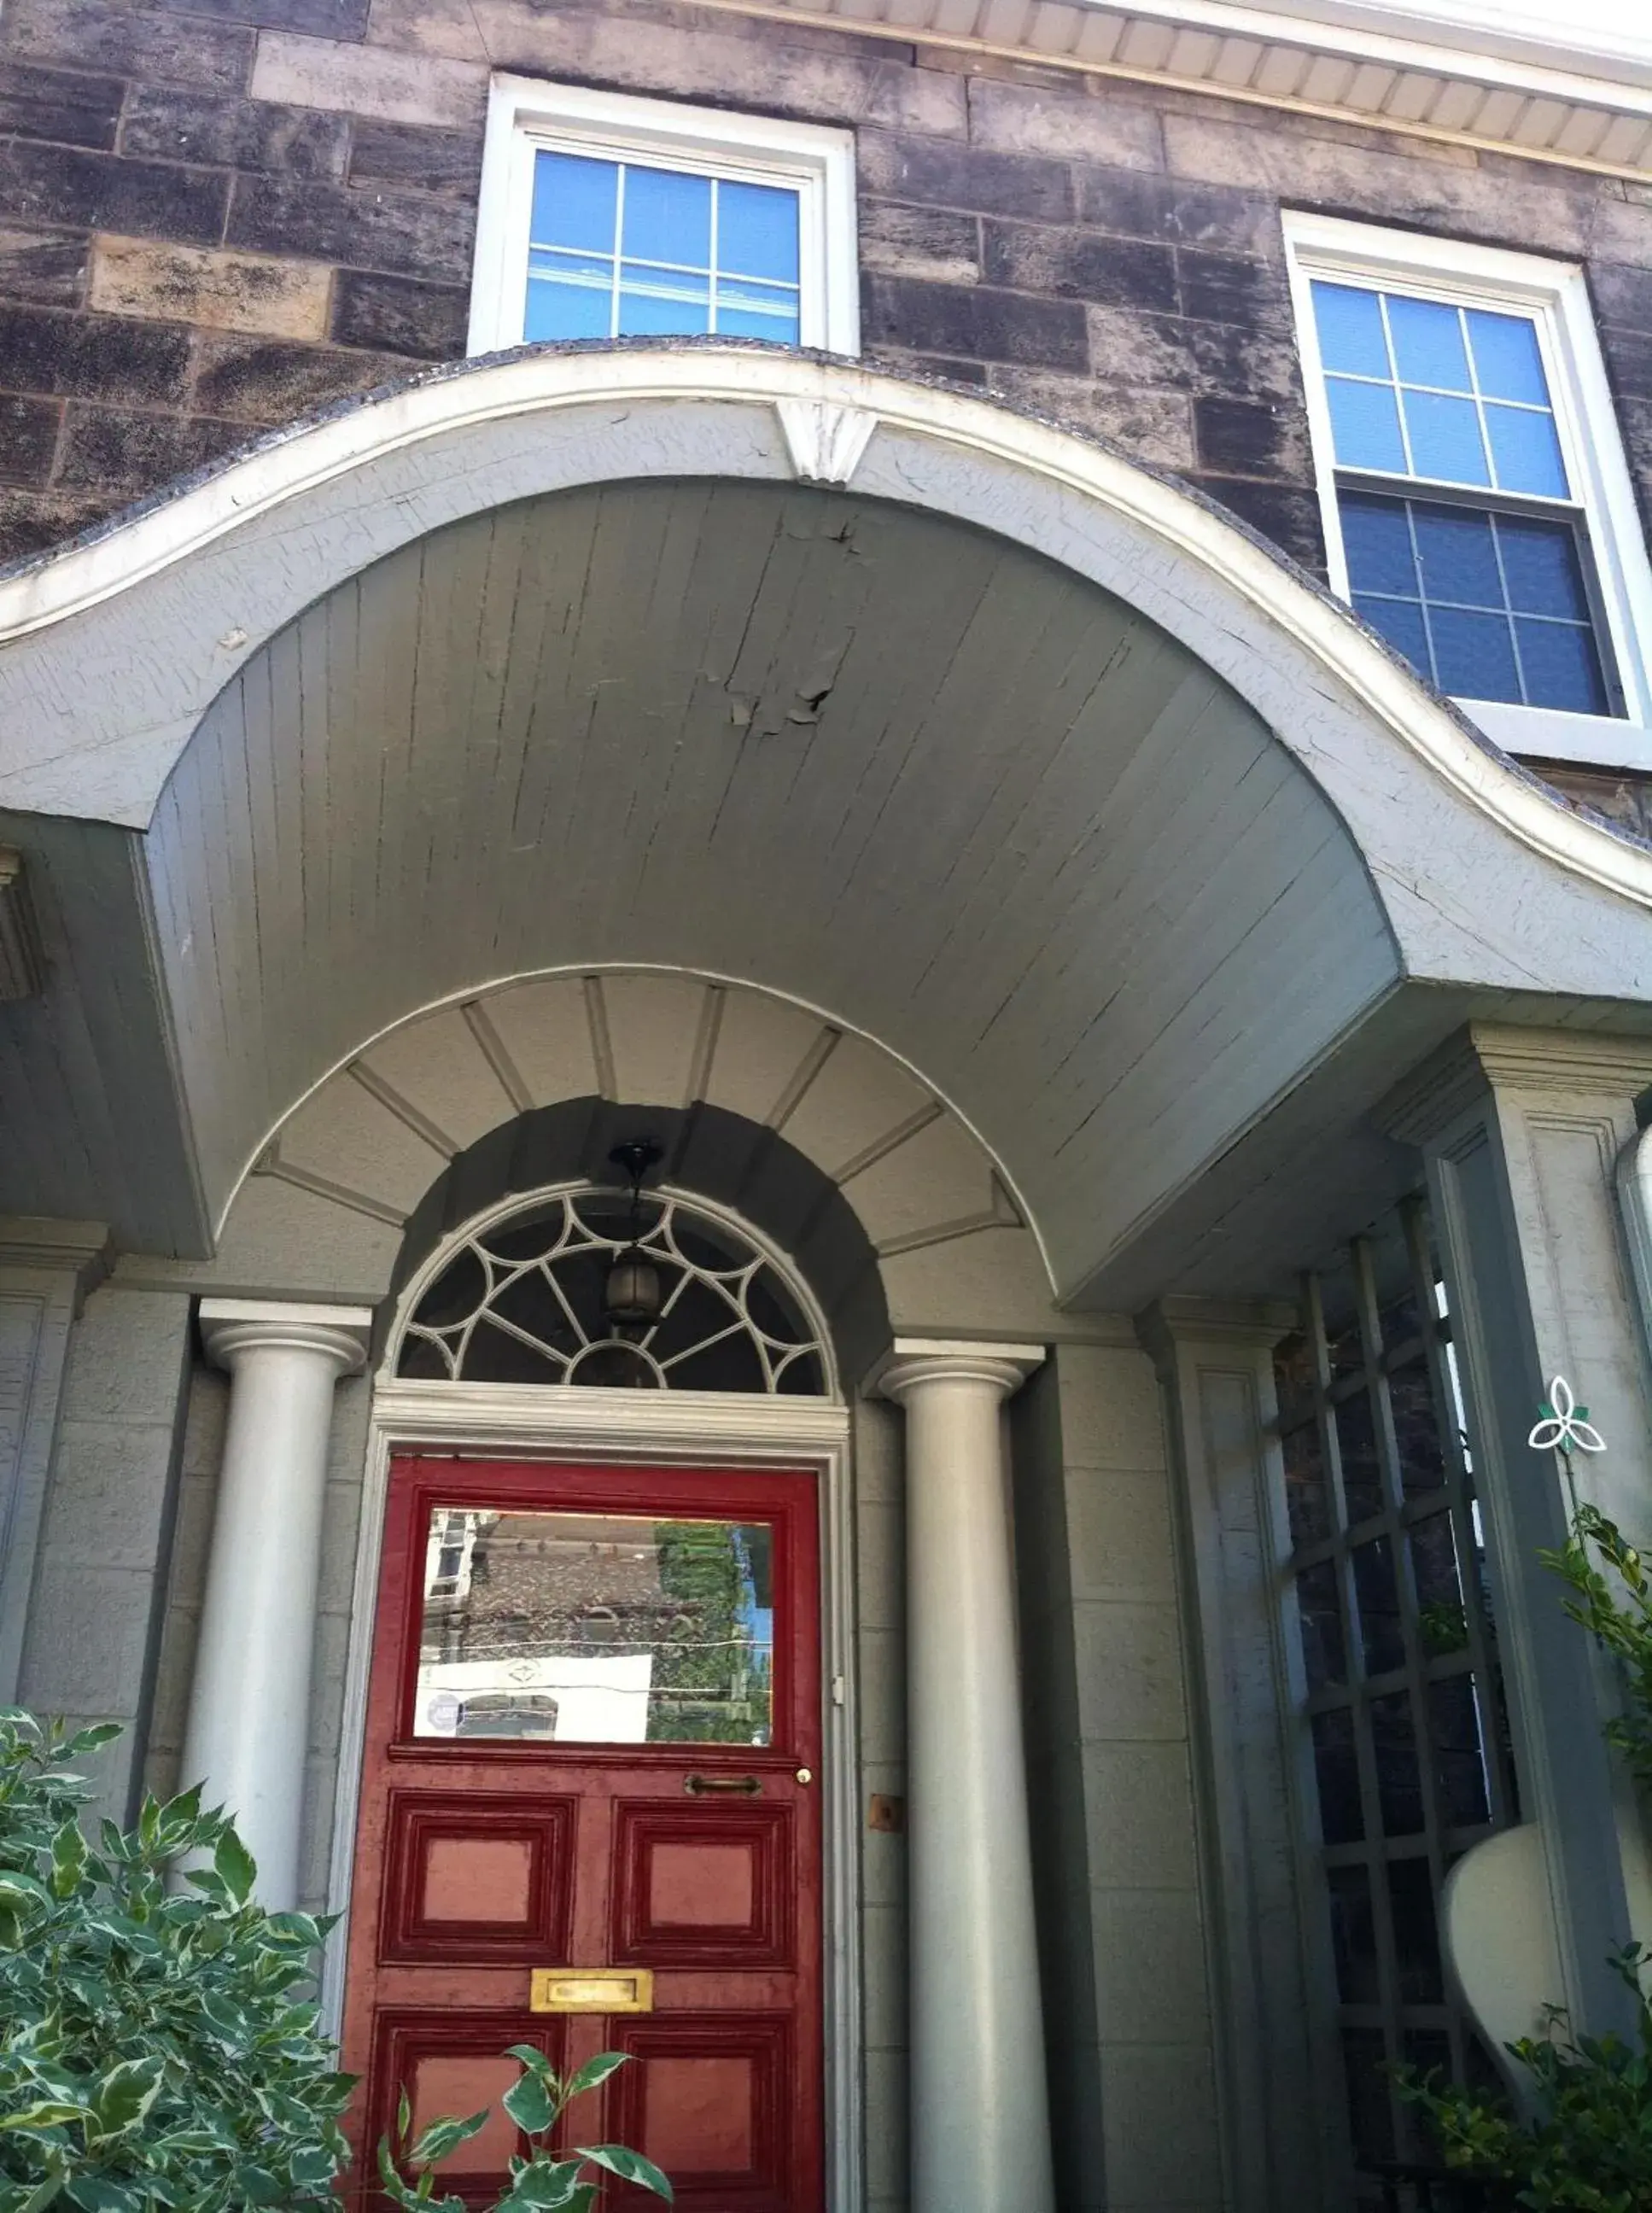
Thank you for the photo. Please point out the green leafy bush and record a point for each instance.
(535, 2101)
(1587, 2148)
(157, 2048)
(1586, 2144)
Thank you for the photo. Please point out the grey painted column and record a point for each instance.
(1276, 2036)
(249, 1703)
(1521, 1129)
(980, 2129)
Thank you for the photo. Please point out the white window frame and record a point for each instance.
(1556, 295)
(527, 115)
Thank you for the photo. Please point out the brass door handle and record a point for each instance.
(743, 1786)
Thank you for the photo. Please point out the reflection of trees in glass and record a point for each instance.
(712, 1669)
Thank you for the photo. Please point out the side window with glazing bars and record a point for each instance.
(1396, 1642)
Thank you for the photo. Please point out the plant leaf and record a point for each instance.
(530, 2105)
(630, 2166)
(235, 1867)
(125, 2095)
(49, 2113)
(594, 2071)
(445, 2136)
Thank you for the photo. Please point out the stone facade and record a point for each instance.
(214, 222)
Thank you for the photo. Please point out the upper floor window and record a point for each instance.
(604, 216)
(1478, 507)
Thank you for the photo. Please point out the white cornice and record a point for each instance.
(1586, 106)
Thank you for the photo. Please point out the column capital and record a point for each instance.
(913, 1362)
(35, 1242)
(1494, 1057)
(230, 1327)
(1246, 1324)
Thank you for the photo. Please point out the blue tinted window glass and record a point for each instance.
(773, 303)
(1494, 606)
(1377, 541)
(566, 311)
(1541, 562)
(1445, 436)
(1401, 621)
(757, 231)
(668, 218)
(663, 304)
(1427, 342)
(1458, 558)
(1506, 356)
(574, 201)
(742, 323)
(1350, 325)
(1562, 667)
(1365, 423)
(1525, 451)
(1473, 654)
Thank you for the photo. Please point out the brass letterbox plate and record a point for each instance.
(591, 1989)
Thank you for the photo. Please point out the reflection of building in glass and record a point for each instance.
(595, 1628)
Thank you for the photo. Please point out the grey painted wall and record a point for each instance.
(92, 1637)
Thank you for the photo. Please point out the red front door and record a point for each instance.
(592, 1780)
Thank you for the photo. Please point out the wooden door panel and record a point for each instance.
(475, 1876)
(452, 2061)
(586, 1752)
(698, 1888)
(708, 2103)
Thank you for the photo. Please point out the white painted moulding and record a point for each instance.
(531, 383)
(1583, 103)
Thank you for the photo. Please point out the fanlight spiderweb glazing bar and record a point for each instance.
(524, 1300)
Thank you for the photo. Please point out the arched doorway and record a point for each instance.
(595, 1740)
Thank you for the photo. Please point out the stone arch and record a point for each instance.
(888, 1206)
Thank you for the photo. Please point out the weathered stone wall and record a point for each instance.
(216, 220)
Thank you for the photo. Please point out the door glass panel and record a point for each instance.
(571, 1628)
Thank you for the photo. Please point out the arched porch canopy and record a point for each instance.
(953, 726)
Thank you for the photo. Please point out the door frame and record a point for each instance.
(699, 1428)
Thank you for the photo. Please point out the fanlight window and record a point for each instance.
(528, 1301)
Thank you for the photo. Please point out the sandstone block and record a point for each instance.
(1076, 265)
(91, 356)
(128, 450)
(29, 438)
(219, 290)
(770, 76)
(239, 134)
(928, 242)
(1099, 126)
(1252, 438)
(413, 157)
(58, 104)
(1130, 204)
(407, 234)
(43, 266)
(367, 81)
(933, 173)
(141, 42)
(1388, 186)
(272, 380)
(330, 19)
(396, 316)
(1151, 425)
(81, 189)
